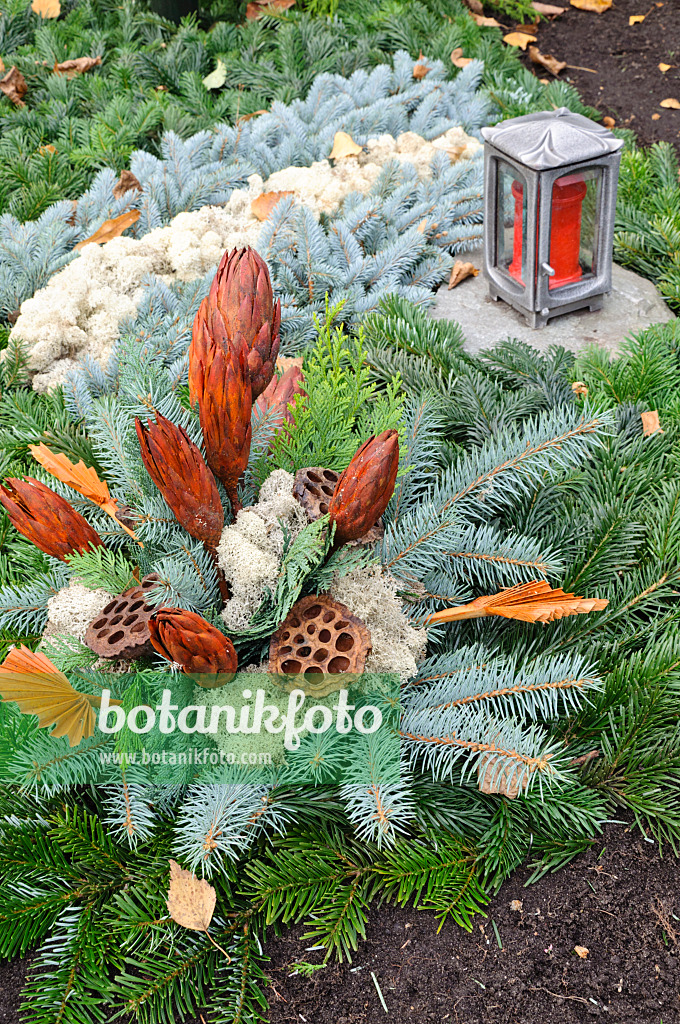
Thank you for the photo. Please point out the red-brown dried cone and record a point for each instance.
(187, 639)
(224, 407)
(47, 519)
(363, 491)
(178, 470)
(279, 394)
(240, 305)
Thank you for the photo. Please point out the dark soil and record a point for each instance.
(628, 84)
(11, 983)
(620, 901)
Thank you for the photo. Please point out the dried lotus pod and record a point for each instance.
(320, 638)
(121, 630)
(314, 486)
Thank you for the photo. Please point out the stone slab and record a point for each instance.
(633, 304)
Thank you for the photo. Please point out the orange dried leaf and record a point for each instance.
(30, 680)
(483, 21)
(343, 146)
(257, 8)
(581, 951)
(110, 229)
(608, 122)
(49, 148)
(547, 61)
(528, 602)
(635, 19)
(421, 69)
(656, 117)
(2, 65)
(520, 39)
(80, 477)
(264, 204)
(126, 183)
(14, 86)
(650, 423)
(78, 66)
(596, 6)
(663, 68)
(46, 8)
(457, 58)
(248, 117)
(461, 270)
(670, 104)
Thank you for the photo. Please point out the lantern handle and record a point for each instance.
(547, 269)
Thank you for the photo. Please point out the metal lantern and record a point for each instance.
(550, 196)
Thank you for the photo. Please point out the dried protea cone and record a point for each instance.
(363, 491)
(187, 639)
(47, 519)
(528, 602)
(279, 394)
(239, 306)
(178, 470)
(224, 406)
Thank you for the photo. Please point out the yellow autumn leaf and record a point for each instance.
(343, 146)
(264, 204)
(663, 68)
(457, 58)
(46, 8)
(597, 6)
(216, 78)
(29, 679)
(635, 19)
(483, 21)
(670, 104)
(520, 39)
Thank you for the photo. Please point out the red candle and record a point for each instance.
(565, 230)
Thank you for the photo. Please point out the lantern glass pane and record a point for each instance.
(574, 226)
(511, 226)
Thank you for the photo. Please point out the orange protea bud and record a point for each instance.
(178, 470)
(240, 305)
(186, 638)
(46, 519)
(364, 489)
(279, 394)
(224, 406)
(527, 602)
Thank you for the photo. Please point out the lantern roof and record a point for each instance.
(552, 138)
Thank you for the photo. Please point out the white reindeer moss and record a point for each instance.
(72, 609)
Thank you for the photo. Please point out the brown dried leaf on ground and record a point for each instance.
(581, 951)
(670, 104)
(608, 122)
(636, 19)
(126, 183)
(520, 39)
(191, 900)
(663, 68)
(420, 69)
(457, 58)
(2, 65)
(111, 229)
(46, 8)
(264, 204)
(14, 86)
(474, 5)
(548, 9)
(546, 60)
(596, 6)
(483, 21)
(343, 146)
(77, 66)
(650, 423)
(461, 270)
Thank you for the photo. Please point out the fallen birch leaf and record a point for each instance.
(547, 9)
(343, 146)
(670, 104)
(126, 183)
(31, 680)
(635, 19)
(46, 8)
(191, 900)
(597, 6)
(216, 78)
(14, 86)
(535, 601)
(520, 39)
(420, 69)
(483, 21)
(257, 8)
(581, 951)
(77, 66)
(110, 229)
(608, 122)
(663, 68)
(547, 61)
(459, 271)
(650, 423)
(494, 777)
(81, 478)
(457, 58)
(264, 204)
